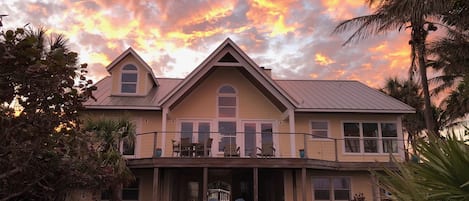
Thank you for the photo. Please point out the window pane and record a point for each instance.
(249, 139)
(321, 195)
(319, 125)
(371, 146)
(128, 148)
(129, 77)
(319, 134)
(131, 191)
(370, 130)
(321, 188)
(227, 132)
(352, 129)
(226, 112)
(186, 130)
(389, 146)
(226, 90)
(342, 194)
(129, 88)
(204, 132)
(227, 128)
(266, 133)
(226, 101)
(389, 129)
(129, 67)
(341, 188)
(352, 145)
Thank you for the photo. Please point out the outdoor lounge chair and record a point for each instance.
(231, 150)
(267, 150)
(204, 148)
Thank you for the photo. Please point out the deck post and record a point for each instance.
(303, 183)
(155, 184)
(205, 184)
(256, 184)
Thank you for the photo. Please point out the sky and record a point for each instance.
(293, 38)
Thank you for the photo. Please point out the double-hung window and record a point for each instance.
(129, 79)
(370, 137)
(227, 103)
(319, 129)
(331, 188)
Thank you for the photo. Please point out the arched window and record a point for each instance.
(129, 79)
(227, 102)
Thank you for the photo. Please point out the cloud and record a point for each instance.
(291, 37)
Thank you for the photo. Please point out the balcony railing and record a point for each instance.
(265, 145)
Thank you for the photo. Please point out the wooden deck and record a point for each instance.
(209, 162)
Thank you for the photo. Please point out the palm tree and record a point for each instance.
(391, 15)
(408, 92)
(457, 103)
(110, 135)
(441, 173)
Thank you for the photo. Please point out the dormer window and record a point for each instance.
(129, 79)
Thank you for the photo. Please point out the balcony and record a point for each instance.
(268, 149)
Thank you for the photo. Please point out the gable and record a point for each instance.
(229, 55)
(130, 75)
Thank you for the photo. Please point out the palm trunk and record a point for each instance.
(419, 37)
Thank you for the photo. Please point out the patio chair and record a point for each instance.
(204, 148)
(267, 150)
(176, 148)
(186, 147)
(231, 150)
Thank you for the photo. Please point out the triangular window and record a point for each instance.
(228, 58)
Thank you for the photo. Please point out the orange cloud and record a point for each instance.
(323, 60)
(271, 16)
(341, 9)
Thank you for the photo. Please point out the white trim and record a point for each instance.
(361, 138)
(258, 123)
(331, 186)
(311, 137)
(137, 85)
(227, 95)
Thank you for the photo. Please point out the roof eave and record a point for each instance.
(121, 107)
(330, 110)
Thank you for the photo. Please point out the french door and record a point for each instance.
(255, 134)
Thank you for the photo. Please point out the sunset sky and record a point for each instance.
(293, 38)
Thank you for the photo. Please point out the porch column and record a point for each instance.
(155, 184)
(205, 184)
(303, 183)
(291, 124)
(163, 129)
(256, 184)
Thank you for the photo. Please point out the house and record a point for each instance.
(229, 130)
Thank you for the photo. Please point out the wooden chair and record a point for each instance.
(186, 147)
(231, 150)
(267, 150)
(204, 148)
(176, 148)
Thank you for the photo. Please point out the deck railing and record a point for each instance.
(265, 145)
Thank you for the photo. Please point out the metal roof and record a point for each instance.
(149, 102)
(311, 96)
(341, 96)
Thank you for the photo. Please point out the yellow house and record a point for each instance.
(229, 130)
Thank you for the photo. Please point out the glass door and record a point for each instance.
(255, 135)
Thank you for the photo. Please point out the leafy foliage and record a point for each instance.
(392, 15)
(109, 136)
(42, 153)
(441, 175)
